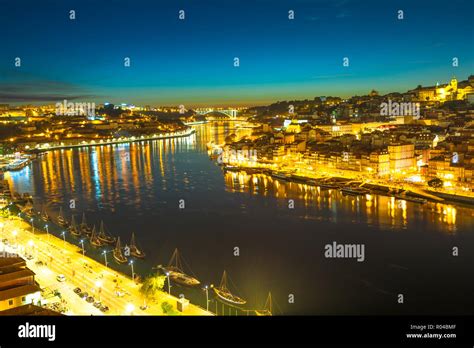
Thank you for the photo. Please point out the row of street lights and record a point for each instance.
(104, 252)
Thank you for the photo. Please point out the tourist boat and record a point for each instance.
(300, 179)
(223, 292)
(118, 254)
(229, 168)
(85, 229)
(175, 271)
(410, 198)
(104, 237)
(328, 185)
(134, 250)
(73, 227)
(61, 220)
(44, 215)
(280, 176)
(354, 191)
(94, 240)
(267, 310)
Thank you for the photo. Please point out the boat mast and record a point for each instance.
(102, 231)
(223, 285)
(268, 304)
(132, 240)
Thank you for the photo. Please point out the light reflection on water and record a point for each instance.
(136, 187)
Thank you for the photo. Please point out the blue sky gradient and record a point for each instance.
(191, 61)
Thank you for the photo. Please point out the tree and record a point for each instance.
(435, 183)
(152, 286)
(168, 308)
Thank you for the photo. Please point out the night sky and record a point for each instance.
(191, 61)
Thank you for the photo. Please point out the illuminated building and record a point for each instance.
(17, 283)
(450, 91)
(401, 156)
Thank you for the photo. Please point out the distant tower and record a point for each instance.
(454, 84)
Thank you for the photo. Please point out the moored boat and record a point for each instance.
(94, 240)
(410, 198)
(280, 176)
(329, 185)
(44, 215)
(134, 250)
(61, 220)
(118, 254)
(85, 229)
(224, 293)
(354, 191)
(73, 227)
(104, 237)
(175, 272)
(267, 310)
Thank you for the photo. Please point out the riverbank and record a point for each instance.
(122, 140)
(346, 185)
(116, 290)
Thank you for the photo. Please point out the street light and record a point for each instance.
(98, 284)
(47, 230)
(133, 273)
(206, 288)
(130, 308)
(169, 286)
(82, 243)
(105, 257)
(15, 234)
(64, 236)
(32, 225)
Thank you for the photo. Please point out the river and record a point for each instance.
(243, 224)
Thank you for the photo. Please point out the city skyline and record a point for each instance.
(193, 64)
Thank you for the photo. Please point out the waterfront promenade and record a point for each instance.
(114, 289)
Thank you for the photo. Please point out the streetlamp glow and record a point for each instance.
(133, 273)
(169, 285)
(130, 308)
(206, 288)
(82, 243)
(105, 257)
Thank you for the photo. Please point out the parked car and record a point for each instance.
(77, 291)
(97, 304)
(39, 263)
(90, 299)
(29, 257)
(61, 278)
(84, 295)
(104, 309)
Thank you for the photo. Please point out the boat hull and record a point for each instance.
(107, 240)
(118, 256)
(229, 298)
(182, 278)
